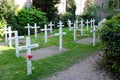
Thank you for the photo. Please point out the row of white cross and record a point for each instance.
(92, 23)
(28, 45)
(35, 28)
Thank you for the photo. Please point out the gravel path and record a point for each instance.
(85, 70)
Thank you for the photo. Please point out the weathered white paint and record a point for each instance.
(75, 32)
(51, 27)
(69, 24)
(16, 38)
(60, 35)
(28, 47)
(35, 28)
(87, 24)
(45, 30)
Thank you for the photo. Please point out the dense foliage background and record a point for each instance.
(47, 6)
(110, 36)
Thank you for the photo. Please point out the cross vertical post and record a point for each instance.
(82, 27)
(91, 21)
(74, 32)
(29, 63)
(94, 35)
(10, 35)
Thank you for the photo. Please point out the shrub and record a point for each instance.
(1, 27)
(30, 16)
(110, 36)
(64, 17)
(7, 13)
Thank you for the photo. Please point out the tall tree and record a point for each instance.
(48, 6)
(71, 6)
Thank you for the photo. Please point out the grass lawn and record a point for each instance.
(12, 68)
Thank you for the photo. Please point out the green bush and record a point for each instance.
(7, 13)
(110, 36)
(64, 17)
(1, 27)
(30, 16)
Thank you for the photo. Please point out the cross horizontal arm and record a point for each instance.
(25, 47)
(36, 27)
(27, 26)
(19, 37)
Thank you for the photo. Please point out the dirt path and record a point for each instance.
(85, 70)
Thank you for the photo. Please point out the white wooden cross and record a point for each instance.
(81, 26)
(60, 35)
(16, 38)
(28, 26)
(94, 35)
(91, 22)
(100, 24)
(45, 30)
(35, 27)
(87, 22)
(6, 30)
(60, 24)
(51, 27)
(28, 55)
(103, 20)
(69, 24)
(11, 38)
(75, 32)
(76, 22)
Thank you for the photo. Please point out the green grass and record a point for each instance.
(12, 68)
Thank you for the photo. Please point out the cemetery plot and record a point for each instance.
(45, 52)
(85, 41)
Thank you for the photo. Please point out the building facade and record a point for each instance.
(61, 6)
(106, 6)
(79, 6)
